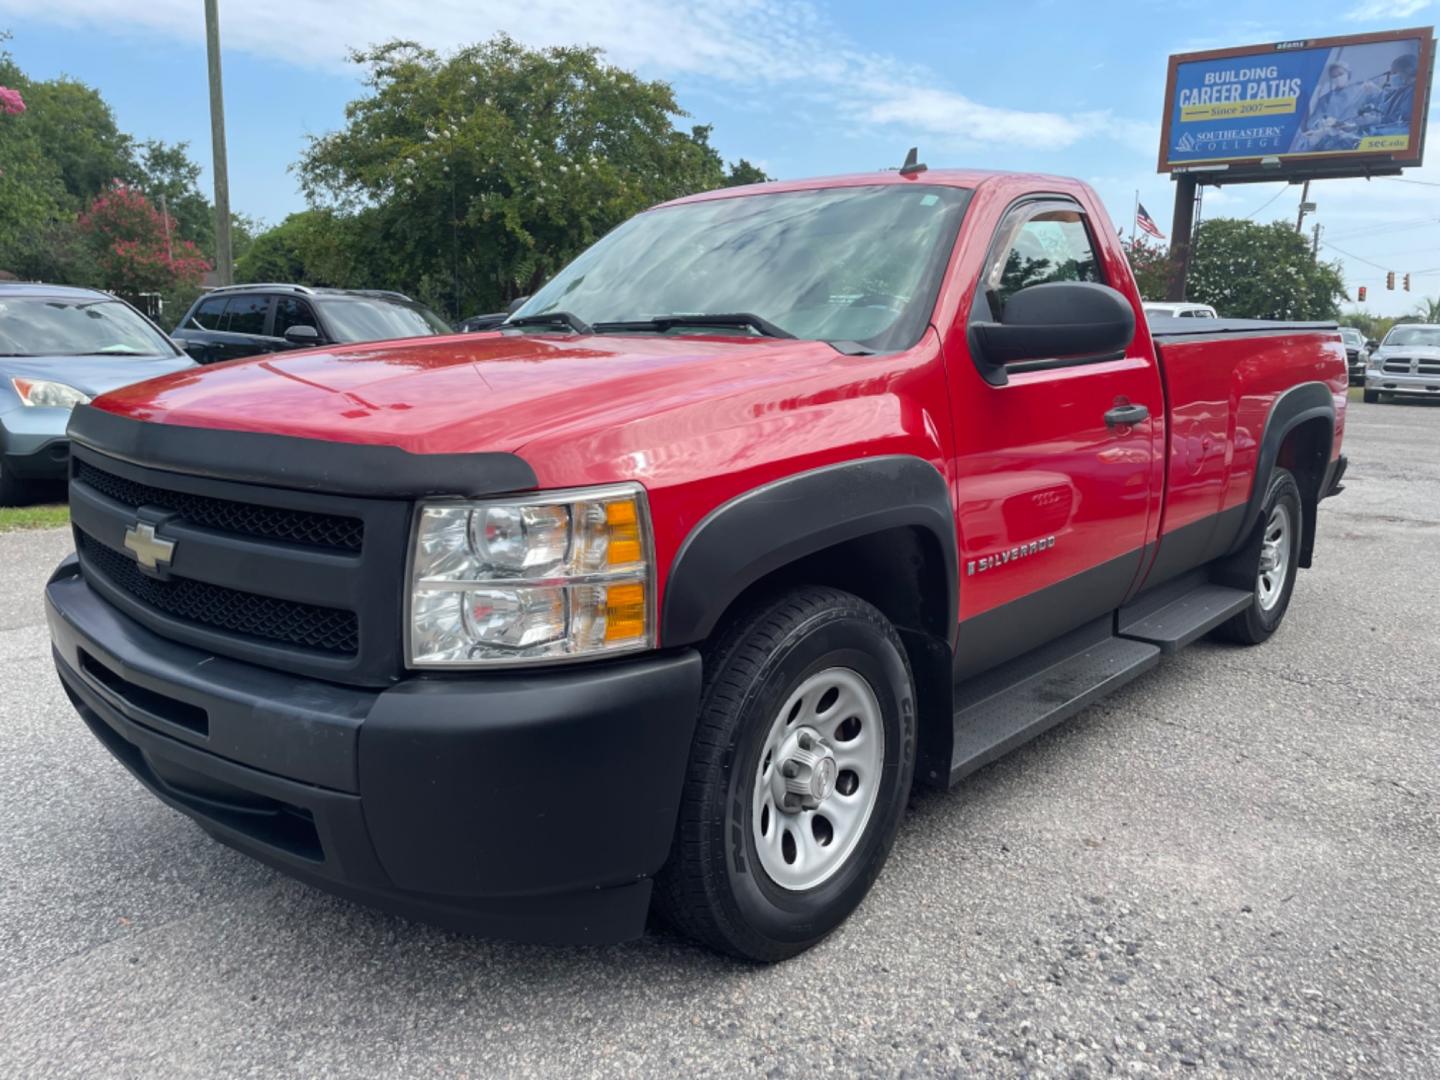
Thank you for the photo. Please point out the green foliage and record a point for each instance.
(1427, 310)
(480, 174)
(61, 154)
(1250, 271)
(1150, 263)
(1374, 327)
(742, 172)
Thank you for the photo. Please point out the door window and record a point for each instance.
(289, 312)
(1038, 244)
(209, 314)
(246, 314)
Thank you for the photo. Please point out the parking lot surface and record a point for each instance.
(1232, 866)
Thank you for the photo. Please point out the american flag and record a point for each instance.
(1147, 223)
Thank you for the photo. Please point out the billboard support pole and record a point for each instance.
(1180, 227)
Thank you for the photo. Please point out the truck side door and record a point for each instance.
(1053, 495)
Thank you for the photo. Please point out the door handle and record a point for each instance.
(1124, 415)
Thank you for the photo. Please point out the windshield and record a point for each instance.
(859, 264)
(56, 326)
(364, 318)
(1428, 336)
(1352, 337)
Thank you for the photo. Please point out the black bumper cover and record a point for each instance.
(531, 807)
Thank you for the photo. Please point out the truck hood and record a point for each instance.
(467, 393)
(1420, 352)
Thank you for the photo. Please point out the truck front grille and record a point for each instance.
(301, 581)
(267, 522)
(262, 618)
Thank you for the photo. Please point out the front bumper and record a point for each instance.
(533, 807)
(31, 457)
(1422, 385)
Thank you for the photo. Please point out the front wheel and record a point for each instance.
(798, 777)
(1372, 397)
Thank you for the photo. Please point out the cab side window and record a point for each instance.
(1036, 245)
(207, 316)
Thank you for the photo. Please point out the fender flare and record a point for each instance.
(1307, 401)
(772, 526)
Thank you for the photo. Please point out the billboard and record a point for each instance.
(1312, 105)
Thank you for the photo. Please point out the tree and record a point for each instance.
(313, 247)
(484, 172)
(1150, 263)
(1428, 310)
(136, 248)
(742, 172)
(1250, 271)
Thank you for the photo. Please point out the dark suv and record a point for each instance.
(247, 320)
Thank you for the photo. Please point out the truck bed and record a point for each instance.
(1168, 326)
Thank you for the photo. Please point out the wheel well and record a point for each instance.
(1306, 453)
(901, 571)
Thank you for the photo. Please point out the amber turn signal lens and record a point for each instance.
(624, 612)
(624, 527)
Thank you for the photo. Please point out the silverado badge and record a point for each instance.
(1009, 555)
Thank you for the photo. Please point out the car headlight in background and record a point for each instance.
(1375, 361)
(543, 577)
(42, 393)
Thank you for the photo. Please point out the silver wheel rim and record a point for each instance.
(818, 779)
(1274, 557)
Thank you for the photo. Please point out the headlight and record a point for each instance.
(1375, 361)
(42, 393)
(542, 577)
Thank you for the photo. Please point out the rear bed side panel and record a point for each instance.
(1223, 390)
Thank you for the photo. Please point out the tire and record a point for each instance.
(1280, 533)
(12, 491)
(767, 673)
(1372, 397)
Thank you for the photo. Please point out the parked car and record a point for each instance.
(248, 320)
(774, 502)
(1357, 352)
(1407, 363)
(59, 347)
(1154, 310)
(491, 320)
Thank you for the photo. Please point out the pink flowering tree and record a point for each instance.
(11, 103)
(135, 250)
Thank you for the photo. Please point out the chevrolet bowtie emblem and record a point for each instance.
(150, 550)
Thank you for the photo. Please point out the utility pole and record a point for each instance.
(165, 218)
(224, 267)
(1304, 206)
(1315, 243)
(1181, 226)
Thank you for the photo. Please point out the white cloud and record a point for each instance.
(750, 44)
(1375, 10)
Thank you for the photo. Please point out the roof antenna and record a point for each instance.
(912, 166)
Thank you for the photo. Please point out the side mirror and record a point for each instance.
(197, 350)
(302, 335)
(1372, 344)
(516, 304)
(1062, 320)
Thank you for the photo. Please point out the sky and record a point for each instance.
(803, 88)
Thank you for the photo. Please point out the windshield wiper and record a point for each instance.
(551, 318)
(662, 323)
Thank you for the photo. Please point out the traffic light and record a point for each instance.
(1390, 280)
(1362, 294)
(1407, 282)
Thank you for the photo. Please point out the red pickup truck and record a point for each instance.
(660, 597)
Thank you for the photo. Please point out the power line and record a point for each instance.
(1394, 226)
(1267, 202)
(1352, 255)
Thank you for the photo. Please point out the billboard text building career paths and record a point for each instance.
(1362, 96)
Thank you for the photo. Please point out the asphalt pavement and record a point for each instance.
(1230, 867)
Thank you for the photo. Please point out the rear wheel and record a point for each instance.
(1269, 561)
(798, 777)
(1372, 397)
(12, 491)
